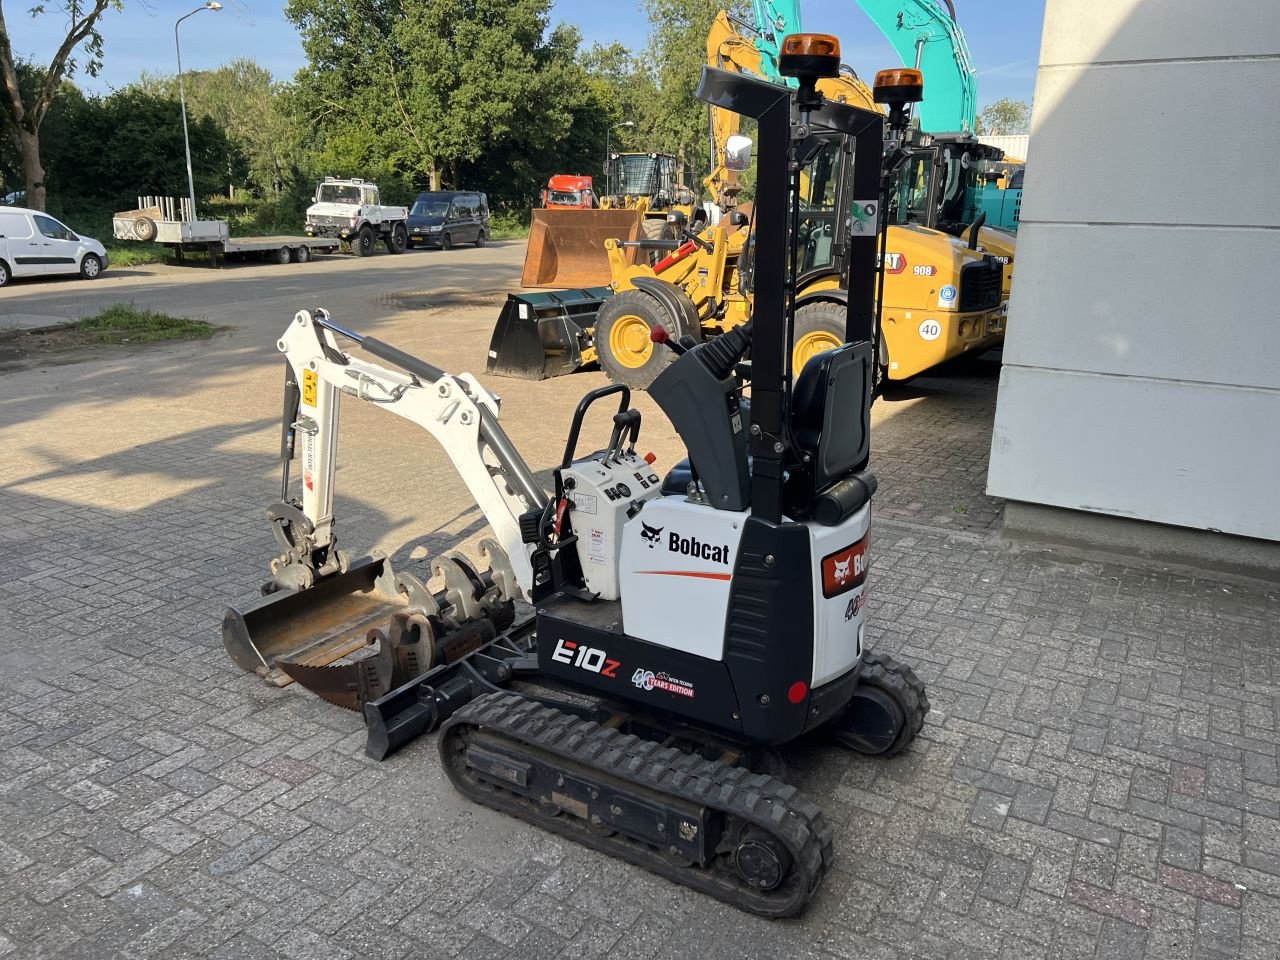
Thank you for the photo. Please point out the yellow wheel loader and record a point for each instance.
(566, 247)
(941, 297)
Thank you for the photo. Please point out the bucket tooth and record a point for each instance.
(353, 680)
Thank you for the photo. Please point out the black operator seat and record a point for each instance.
(831, 423)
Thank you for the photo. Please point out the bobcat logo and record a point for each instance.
(652, 535)
(842, 570)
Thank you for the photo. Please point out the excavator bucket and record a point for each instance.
(566, 247)
(318, 627)
(542, 335)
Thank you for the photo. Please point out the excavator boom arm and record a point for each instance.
(456, 410)
(925, 34)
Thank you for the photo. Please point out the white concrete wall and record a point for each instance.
(1142, 365)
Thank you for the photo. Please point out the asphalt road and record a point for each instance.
(239, 294)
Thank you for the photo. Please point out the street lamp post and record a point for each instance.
(608, 156)
(182, 98)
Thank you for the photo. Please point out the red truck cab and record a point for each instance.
(569, 192)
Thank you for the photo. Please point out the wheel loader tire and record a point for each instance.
(397, 241)
(622, 341)
(656, 229)
(362, 244)
(819, 327)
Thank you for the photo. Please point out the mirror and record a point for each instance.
(737, 153)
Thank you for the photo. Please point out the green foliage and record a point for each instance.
(509, 224)
(477, 94)
(125, 323)
(1005, 117)
(28, 90)
(130, 143)
(241, 98)
(673, 119)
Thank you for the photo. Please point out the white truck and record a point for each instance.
(352, 211)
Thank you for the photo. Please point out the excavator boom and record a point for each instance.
(926, 36)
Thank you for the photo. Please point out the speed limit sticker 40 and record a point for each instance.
(930, 330)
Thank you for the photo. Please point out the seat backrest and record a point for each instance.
(831, 412)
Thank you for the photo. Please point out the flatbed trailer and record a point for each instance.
(283, 249)
(169, 223)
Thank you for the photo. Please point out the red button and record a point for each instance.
(650, 457)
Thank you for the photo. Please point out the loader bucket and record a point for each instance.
(312, 627)
(566, 247)
(542, 335)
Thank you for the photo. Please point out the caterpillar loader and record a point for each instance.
(942, 296)
(679, 630)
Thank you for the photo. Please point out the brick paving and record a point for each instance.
(1098, 777)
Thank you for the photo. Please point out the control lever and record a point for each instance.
(658, 334)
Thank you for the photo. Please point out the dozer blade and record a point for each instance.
(542, 335)
(566, 247)
(312, 627)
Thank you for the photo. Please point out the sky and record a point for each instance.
(1003, 36)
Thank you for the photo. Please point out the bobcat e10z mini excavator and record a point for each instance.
(671, 633)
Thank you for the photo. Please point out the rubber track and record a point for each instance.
(896, 677)
(758, 799)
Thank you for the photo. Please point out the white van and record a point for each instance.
(34, 244)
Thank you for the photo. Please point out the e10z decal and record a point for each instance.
(591, 659)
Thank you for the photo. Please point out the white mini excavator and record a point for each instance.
(639, 646)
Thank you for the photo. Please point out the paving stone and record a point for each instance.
(1098, 777)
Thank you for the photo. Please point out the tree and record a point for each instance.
(424, 86)
(1005, 117)
(242, 99)
(25, 110)
(676, 121)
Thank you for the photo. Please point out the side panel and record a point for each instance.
(623, 668)
(769, 629)
(677, 566)
(841, 558)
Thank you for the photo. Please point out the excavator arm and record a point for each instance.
(926, 36)
(456, 410)
(728, 49)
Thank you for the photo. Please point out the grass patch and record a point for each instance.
(122, 253)
(509, 225)
(125, 323)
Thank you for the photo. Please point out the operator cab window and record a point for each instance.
(818, 185)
